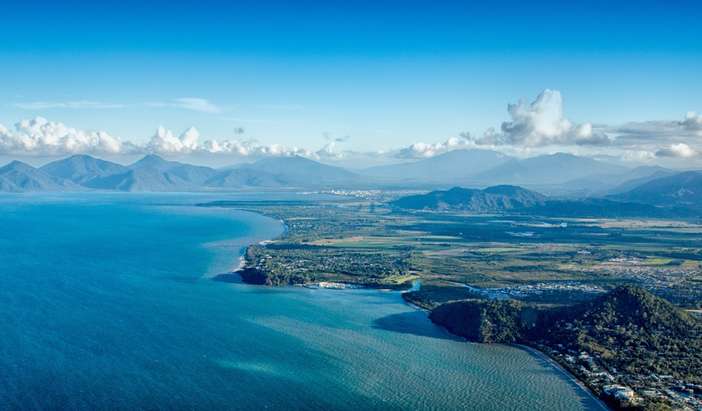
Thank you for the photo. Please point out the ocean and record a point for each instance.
(107, 302)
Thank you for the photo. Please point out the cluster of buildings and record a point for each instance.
(526, 290)
(627, 390)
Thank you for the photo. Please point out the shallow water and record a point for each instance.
(107, 303)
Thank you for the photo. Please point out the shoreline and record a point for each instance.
(568, 375)
(326, 285)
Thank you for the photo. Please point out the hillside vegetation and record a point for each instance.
(628, 337)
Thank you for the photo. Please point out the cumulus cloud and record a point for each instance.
(164, 141)
(42, 137)
(251, 148)
(542, 123)
(679, 150)
(638, 156)
(425, 150)
(331, 149)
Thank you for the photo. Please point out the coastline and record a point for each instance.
(572, 378)
(235, 276)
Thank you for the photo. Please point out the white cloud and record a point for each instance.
(679, 150)
(189, 103)
(185, 103)
(424, 150)
(692, 122)
(638, 156)
(164, 141)
(197, 104)
(251, 148)
(542, 123)
(79, 104)
(42, 137)
(659, 131)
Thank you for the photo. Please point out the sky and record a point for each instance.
(351, 81)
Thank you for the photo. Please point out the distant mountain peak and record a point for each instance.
(18, 176)
(17, 165)
(683, 189)
(149, 160)
(491, 199)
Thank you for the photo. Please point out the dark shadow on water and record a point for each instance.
(413, 322)
(228, 278)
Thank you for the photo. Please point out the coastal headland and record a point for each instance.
(509, 269)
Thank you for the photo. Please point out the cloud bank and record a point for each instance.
(532, 128)
(42, 137)
(692, 123)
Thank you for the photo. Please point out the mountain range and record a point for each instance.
(657, 199)
(684, 189)
(19, 177)
(153, 173)
(491, 199)
(294, 171)
(453, 167)
(606, 186)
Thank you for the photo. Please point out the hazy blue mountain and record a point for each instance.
(516, 199)
(153, 173)
(602, 184)
(294, 171)
(491, 199)
(187, 172)
(606, 208)
(298, 169)
(18, 177)
(640, 176)
(242, 178)
(681, 189)
(451, 167)
(82, 168)
(142, 180)
(547, 169)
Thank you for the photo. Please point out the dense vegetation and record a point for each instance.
(630, 330)
(684, 189)
(486, 321)
(628, 335)
(491, 199)
(516, 199)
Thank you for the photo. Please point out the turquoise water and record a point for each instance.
(107, 302)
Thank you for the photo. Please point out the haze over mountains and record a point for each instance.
(153, 173)
(18, 176)
(565, 175)
(491, 199)
(514, 199)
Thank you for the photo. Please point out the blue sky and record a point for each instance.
(385, 74)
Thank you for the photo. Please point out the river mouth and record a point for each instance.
(104, 296)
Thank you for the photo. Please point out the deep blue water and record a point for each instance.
(107, 302)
